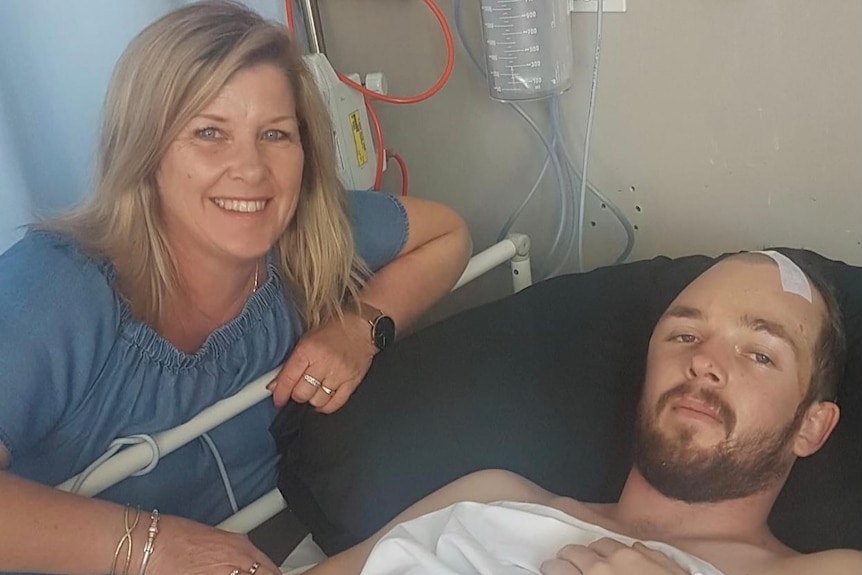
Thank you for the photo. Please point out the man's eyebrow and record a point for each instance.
(683, 311)
(773, 328)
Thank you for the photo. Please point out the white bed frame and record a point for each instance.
(515, 249)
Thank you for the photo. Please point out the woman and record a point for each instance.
(218, 242)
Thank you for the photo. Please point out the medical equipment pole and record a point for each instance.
(314, 31)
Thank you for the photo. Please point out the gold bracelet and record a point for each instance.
(150, 546)
(125, 539)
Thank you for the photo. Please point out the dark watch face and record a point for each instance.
(384, 332)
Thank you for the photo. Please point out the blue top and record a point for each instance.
(78, 371)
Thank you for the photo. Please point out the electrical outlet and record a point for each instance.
(592, 5)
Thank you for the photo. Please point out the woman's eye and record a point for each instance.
(275, 135)
(762, 358)
(207, 133)
(685, 338)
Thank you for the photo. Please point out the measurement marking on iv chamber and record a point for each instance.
(526, 15)
(528, 32)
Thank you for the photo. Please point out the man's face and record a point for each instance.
(728, 365)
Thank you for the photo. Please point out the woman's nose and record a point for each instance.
(247, 162)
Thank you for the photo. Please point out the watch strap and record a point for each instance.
(382, 331)
(369, 313)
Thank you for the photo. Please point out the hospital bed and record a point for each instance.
(143, 454)
(544, 383)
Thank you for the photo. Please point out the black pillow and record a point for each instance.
(544, 383)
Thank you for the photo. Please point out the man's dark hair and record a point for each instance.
(830, 347)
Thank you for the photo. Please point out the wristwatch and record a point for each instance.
(382, 326)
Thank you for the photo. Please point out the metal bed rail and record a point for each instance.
(515, 249)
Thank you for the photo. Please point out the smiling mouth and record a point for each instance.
(242, 206)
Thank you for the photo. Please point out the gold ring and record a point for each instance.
(326, 390)
(311, 380)
(254, 567)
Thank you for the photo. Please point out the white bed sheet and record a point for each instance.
(502, 538)
(305, 556)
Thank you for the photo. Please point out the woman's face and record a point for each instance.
(229, 183)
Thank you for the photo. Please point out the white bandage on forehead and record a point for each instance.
(793, 279)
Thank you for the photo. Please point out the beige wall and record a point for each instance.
(738, 123)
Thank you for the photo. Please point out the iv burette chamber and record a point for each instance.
(528, 48)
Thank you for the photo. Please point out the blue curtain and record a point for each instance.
(55, 60)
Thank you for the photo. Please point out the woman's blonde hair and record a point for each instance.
(166, 76)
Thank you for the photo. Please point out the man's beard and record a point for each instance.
(733, 469)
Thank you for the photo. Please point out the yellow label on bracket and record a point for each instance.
(358, 139)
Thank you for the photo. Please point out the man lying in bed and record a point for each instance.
(741, 371)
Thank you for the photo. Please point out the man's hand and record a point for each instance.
(609, 557)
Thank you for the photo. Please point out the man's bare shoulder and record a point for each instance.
(491, 485)
(833, 562)
(481, 487)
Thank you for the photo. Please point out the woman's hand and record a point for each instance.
(190, 548)
(326, 365)
(609, 557)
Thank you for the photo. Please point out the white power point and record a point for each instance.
(592, 5)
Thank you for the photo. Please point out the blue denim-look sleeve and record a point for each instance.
(380, 226)
(58, 321)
